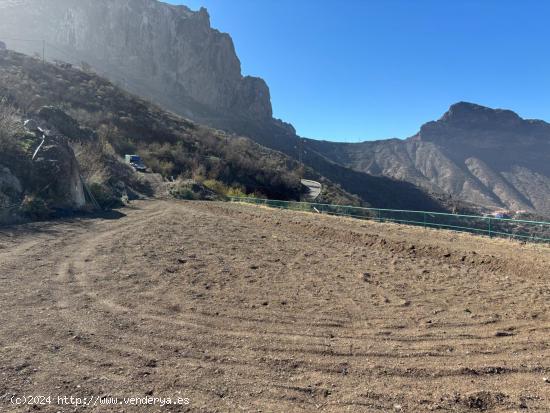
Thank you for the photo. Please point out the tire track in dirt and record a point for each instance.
(77, 268)
(72, 272)
(242, 306)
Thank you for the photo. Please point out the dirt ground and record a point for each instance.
(242, 308)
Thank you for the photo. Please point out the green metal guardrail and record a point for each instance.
(535, 231)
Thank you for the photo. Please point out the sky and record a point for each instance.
(354, 70)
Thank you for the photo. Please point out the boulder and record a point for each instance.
(56, 175)
(59, 123)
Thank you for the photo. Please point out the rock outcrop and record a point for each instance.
(165, 52)
(37, 186)
(10, 195)
(55, 173)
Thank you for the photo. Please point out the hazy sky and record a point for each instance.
(363, 69)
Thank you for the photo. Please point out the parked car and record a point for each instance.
(136, 162)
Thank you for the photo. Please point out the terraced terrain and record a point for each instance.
(241, 308)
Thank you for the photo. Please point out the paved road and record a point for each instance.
(314, 188)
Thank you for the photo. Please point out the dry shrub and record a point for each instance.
(10, 127)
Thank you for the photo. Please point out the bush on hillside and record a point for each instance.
(169, 145)
(11, 128)
(223, 189)
(35, 208)
(105, 196)
(189, 189)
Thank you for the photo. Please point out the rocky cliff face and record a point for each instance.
(489, 157)
(172, 56)
(167, 53)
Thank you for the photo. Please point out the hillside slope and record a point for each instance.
(103, 123)
(171, 55)
(489, 157)
(167, 52)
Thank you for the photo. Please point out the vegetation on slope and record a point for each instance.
(119, 123)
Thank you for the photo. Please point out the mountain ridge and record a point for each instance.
(490, 157)
(172, 55)
(167, 51)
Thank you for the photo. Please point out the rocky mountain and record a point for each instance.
(166, 52)
(489, 157)
(90, 118)
(170, 55)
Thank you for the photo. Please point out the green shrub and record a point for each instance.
(236, 191)
(35, 207)
(216, 186)
(224, 189)
(190, 189)
(105, 196)
(184, 193)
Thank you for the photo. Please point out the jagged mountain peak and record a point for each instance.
(488, 157)
(471, 121)
(472, 114)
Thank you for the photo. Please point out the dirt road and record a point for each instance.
(240, 308)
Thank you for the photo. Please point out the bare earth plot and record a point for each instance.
(241, 308)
